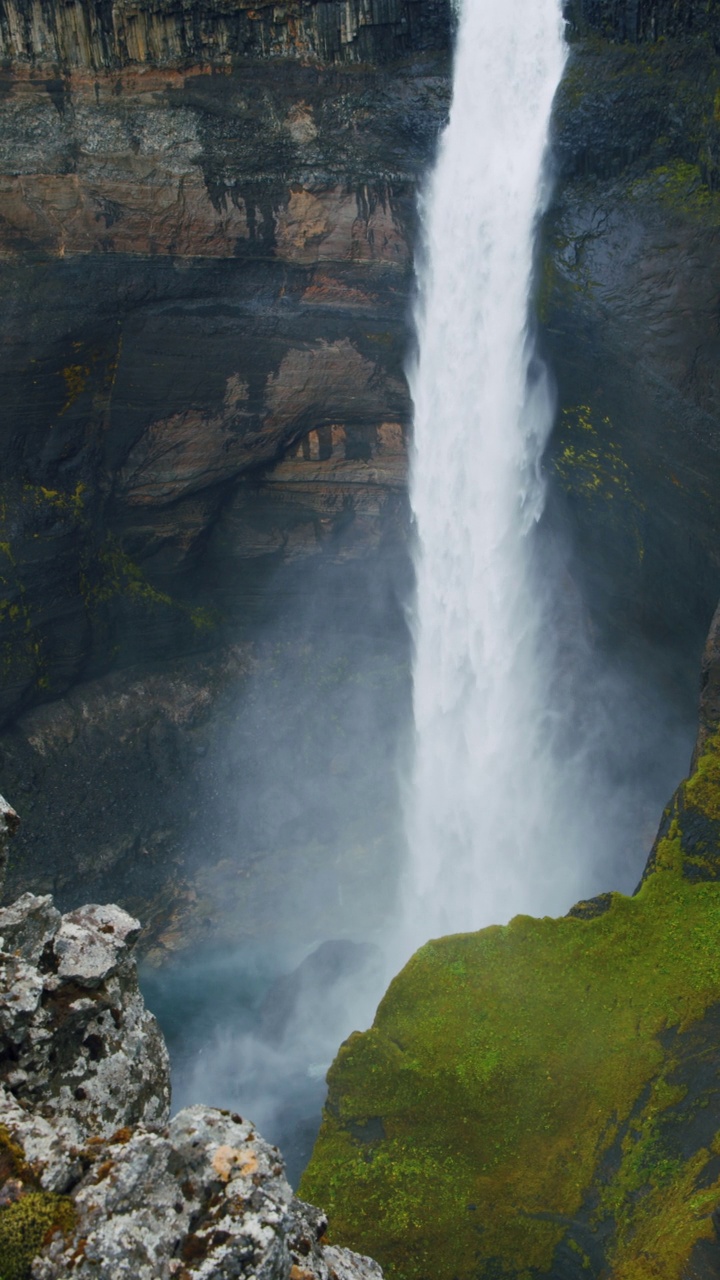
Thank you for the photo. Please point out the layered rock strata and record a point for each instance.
(206, 231)
(94, 1181)
(207, 241)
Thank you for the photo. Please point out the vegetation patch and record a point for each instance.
(26, 1226)
(589, 464)
(527, 1089)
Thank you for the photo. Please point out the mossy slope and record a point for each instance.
(542, 1099)
(29, 1217)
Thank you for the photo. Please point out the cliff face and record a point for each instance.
(119, 33)
(206, 243)
(627, 306)
(207, 220)
(206, 227)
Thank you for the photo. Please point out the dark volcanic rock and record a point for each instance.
(627, 304)
(119, 33)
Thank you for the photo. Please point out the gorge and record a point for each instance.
(208, 234)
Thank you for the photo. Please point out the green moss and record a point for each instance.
(116, 574)
(682, 188)
(67, 502)
(588, 461)
(112, 574)
(26, 1225)
(75, 377)
(528, 1078)
(590, 466)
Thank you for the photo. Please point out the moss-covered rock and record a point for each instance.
(543, 1099)
(28, 1224)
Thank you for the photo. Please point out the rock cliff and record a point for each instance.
(206, 226)
(207, 223)
(206, 229)
(626, 303)
(94, 1179)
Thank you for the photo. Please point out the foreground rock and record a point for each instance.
(94, 1181)
(8, 825)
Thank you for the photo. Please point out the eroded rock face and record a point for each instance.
(168, 32)
(627, 304)
(207, 230)
(206, 225)
(8, 825)
(89, 1164)
(205, 1197)
(77, 1044)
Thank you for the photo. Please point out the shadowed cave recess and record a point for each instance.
(208, 223)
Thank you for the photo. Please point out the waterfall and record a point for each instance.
(485, 799)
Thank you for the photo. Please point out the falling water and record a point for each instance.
(484, 800)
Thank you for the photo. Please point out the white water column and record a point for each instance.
(484, 799)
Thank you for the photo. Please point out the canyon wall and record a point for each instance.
(206, 230)
(207, 224)
(628, 308)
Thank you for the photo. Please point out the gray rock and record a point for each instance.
(76, 1041)
(84, 1094)
(206, 1198)
(28, 925)
(9, 823)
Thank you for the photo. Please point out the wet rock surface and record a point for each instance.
(86, 1149)
(626, 302)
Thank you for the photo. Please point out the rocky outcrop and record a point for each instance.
(93, 1179)
(76, 1042)
(9, 822)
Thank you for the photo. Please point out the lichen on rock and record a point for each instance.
(8, 825)
(76, 1040)
(95, 1182)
